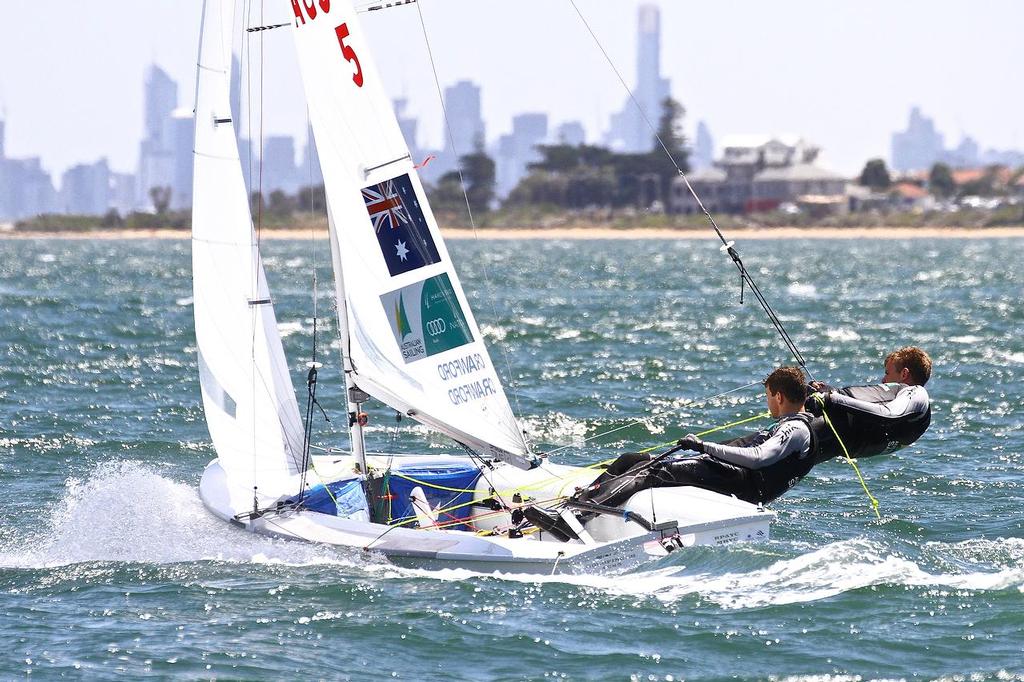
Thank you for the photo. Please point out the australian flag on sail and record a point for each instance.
(400, 225)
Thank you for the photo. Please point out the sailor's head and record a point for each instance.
(909, 365)
(785, 390)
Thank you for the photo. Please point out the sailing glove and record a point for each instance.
(820, 387)
(816, 402)
(691, 442)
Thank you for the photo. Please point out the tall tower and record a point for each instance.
(462, 102)
(2, 157)
(629, 131)
(919, 146)
(703, 148)
(648, 53)
(156, 152)
(161, 100)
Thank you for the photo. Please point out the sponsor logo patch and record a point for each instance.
(426, 318)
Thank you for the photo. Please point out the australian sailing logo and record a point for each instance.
(426, 318)
(411, 344)
(400, 225)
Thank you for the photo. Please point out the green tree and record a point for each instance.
(875, 175)
(256, 204)
(541, 187)
(478, 174)
(280, 204)
(161, 198)
(311, 199)
(112, 219)
(628, 170)
(940, 181)
(670, 134)
(447, 196)
(566, 158)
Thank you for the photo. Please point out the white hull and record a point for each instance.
(701, 518)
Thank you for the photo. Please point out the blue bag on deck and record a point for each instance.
(433, 479)
(345, 499)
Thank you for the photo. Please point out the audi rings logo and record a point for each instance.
(436, 327)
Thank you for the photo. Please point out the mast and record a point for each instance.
(353, 394)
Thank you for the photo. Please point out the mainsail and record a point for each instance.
(409, 336)
(247, 392)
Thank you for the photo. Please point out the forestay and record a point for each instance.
(409, 335)
(247, 393)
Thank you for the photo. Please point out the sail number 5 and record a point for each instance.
(349, 54)
(304, 8)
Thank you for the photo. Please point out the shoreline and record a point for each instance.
(578, 233)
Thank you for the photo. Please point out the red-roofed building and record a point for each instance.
(909, 191)
(983, 179)
(962, 176)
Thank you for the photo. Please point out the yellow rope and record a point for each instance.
(536, 485)
(762, 415)
(326, 487)
(853, 463)
(544, 482)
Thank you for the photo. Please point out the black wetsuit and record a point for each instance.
(872, 420)
(756, 468)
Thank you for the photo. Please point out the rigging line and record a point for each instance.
(469, 210)
(484, 466)
(851, 460)
(636, 422)
(311, 377)
(376, 6)
(727, 246)
(394, 440)
(256, 29)
(247, 48)
(259, 227)
(256, 260)
(312, 227)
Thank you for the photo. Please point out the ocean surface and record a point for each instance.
(111, 568)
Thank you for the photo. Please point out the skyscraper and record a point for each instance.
(182, 133)
(25, 188)
(279, 169)
(571, 133)
(156, 152)
(408, 125)
(518, 149)
(310, 174)
(462, 104)
(85, 188)
(161, 99)
(629, 131)
(919, 146)
(703, 148)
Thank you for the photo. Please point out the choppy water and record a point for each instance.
(109, 565)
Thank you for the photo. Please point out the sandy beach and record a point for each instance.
(585, 233)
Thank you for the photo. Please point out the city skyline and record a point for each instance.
(80, 119)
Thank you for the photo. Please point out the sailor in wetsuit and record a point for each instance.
(878, 419)
(757, 468)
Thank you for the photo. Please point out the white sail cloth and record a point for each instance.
(247, 392)
(409, 335)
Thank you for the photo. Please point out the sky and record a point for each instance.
(842, 74)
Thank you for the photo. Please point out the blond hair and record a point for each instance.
(913, 359)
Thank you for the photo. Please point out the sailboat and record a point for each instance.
(409, 339)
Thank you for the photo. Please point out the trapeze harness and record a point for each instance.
(873, 420)
(741, 467)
